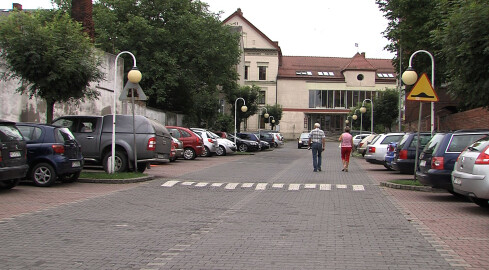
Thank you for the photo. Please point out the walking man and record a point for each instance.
(317, 141)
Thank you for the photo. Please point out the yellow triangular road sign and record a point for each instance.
(423, 91)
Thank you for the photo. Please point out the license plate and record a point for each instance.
(15, 154)
(422, 163)
(75, 164)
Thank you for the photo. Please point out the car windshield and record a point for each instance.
(391, 138)
(460, 141)
(213, 135)
(423, 140)
(64, 135)
(9, 133)
(305, 136)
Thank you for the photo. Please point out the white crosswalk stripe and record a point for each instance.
(265, 186)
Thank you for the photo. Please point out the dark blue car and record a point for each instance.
(52, 154)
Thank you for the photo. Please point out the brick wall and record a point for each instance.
(475, 118)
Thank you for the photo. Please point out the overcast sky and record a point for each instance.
(302, 28)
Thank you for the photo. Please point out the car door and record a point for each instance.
(86, 131)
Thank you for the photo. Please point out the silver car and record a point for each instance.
(210, 143)
(225, 146)
(470, 175)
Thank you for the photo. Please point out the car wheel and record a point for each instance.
(387, 167)
(173, 159)
(299, 146)
(121, 162)
(9, 184)
(70, 178)
(189, 154)
(142, 167)
(480, 202)
(206, 152)
(43, 175)
(221, 151)
(243, 147)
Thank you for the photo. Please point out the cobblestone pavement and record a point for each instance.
(263, 211)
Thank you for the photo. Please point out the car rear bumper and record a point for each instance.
(69, 166)
(14, 172)
(436, 178)
(404, 165)
(470, 185)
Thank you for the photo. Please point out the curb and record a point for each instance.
(415, 188)
(116, 181)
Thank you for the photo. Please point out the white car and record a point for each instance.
(378, 148)
(358, 138)
(470, 175)
(225, 146)
(210, 143)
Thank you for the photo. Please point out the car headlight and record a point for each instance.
(254, 143)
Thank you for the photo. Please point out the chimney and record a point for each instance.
(363, 54)
(81, 11)
(16, 6)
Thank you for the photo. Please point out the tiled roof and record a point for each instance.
(317, 66)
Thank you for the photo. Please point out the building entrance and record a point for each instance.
(330, 123)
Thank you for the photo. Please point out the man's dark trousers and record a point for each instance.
(317, 149)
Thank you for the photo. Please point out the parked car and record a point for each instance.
(225, 146)
(250, 136)
(210, 142)
(52, 153)
(13, 155)
(378, 148)
(244, 145)
(94, 134)
(176, 149)
(193, 144)
(437, 160)
(405, 151)
(279, 139)
(389, 156)
(266, 136)
(221, 134)
(358, 138)
(303, 140)
(362, 146)
(470, 176)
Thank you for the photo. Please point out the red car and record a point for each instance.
(193, 145)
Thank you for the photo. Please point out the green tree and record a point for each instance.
(276, 112)
(386, 108)
(465, 45)
(48, 52)
(182, 49)
(250, 95)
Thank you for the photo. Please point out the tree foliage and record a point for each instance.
(182, 49)
(275, 112)
(465, 39)
(455, 32)
(250, 95)
(48, 52)
(386, 108)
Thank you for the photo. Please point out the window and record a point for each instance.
(262, 73)
(261, 97)
(247, 68)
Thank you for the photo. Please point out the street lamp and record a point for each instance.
(409, 77)
(243, 109)
(133, 76)
(259, 120)
(346, 121)
(361, 118)
(273, 121)
(364, 110)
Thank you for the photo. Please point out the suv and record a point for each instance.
(437, 160)
(13, 160)
(193, 145)
(210, 142)
(470, 176)
(53, 153)
(405, 151)
(378, 148)
(252, 137)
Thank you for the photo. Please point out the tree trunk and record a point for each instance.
(49, 111)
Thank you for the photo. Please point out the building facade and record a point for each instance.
(309, 89)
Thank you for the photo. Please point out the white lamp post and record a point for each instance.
(361, 118)
(409, 77)
(363, 110)
(133, 76)
(243, 109)
(259, 120)
(346, 121)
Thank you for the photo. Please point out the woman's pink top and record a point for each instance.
(346, 140)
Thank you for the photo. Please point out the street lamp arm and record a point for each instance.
(432, 63)
(235, 115)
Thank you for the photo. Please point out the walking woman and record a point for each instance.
(346, 140)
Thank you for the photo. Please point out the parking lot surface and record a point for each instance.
(262, 211)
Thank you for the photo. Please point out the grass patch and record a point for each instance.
(104, 175)
(407, 182)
